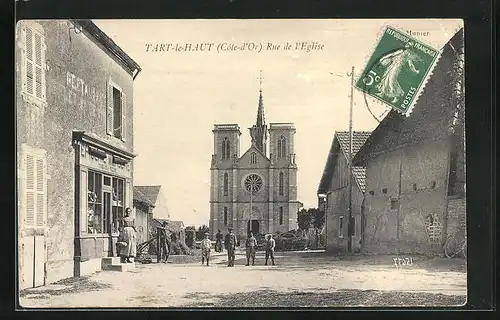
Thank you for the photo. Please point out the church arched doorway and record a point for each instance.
(253, 226)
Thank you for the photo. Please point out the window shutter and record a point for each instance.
(40, 192)
(124, 117)
(29, 60)
(30, 190)
(44, 68)
(83, 200)
(38, 65)
(109, 112)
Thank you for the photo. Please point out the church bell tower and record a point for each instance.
(258, 131)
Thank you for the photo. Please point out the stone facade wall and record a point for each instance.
(76, 73)
(403, 227)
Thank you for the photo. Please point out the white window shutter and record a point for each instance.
(23, 57)
(30, 190)
(29, 61)
(38, 65)
(40, 191)
(44, 69)
(109, 109)
(124, 117)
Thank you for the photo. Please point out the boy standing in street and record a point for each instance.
(230, 243)
(206, 245)
(270, 244)
(251, 245)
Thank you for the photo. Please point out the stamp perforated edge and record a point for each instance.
(423, 84)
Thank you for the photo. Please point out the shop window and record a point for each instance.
(105, 203)
(118, 207)
(94, 205)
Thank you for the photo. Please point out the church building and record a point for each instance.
(256, 191)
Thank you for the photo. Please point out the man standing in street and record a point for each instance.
(251, 245)
(230, 243)
(270, 244)
(218, 241)
(164, 238)
(206, 246)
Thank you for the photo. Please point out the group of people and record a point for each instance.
(231, 242)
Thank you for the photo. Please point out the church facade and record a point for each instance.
(255, 191)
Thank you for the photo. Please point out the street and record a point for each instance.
(300, 279)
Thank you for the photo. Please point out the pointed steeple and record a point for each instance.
(258, 132)
(260, 111)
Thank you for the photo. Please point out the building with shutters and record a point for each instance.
(256, 191)
(74, 93)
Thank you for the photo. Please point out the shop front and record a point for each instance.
(103, 190)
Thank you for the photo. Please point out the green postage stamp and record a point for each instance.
(397, 71)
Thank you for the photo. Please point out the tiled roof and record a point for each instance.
(172, 226)
(151, 192)
(358, 139)
(140, 197)
(360, 174)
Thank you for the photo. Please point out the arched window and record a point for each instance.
(226, 184)
(281, 216)
(253, 158)
(225, 216)
(226, 148)
(281, 184)
(282, 147)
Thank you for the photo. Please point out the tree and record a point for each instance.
(318, 217)
(190, 235)
(200, 234)
(303, 219)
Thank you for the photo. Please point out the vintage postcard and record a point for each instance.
(240, 163)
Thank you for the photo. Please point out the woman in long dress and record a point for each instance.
(394, 62)
(128, 238)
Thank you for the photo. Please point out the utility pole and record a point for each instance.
(349, 180)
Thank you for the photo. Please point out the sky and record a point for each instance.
(180, 95)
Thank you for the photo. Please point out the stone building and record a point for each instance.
(255, 191)
(415, 166)
(143, 208)
(74, 105)
(334, 189)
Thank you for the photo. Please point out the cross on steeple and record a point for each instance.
(260, 78)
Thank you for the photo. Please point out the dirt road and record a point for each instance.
(299, 279)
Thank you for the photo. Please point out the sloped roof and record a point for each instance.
(109, 44)
(140, 197)
(341, 139)
(172, 226)
(150, 192)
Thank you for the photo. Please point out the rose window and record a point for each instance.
(253, 183)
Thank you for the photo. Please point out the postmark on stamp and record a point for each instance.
(397, 70)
